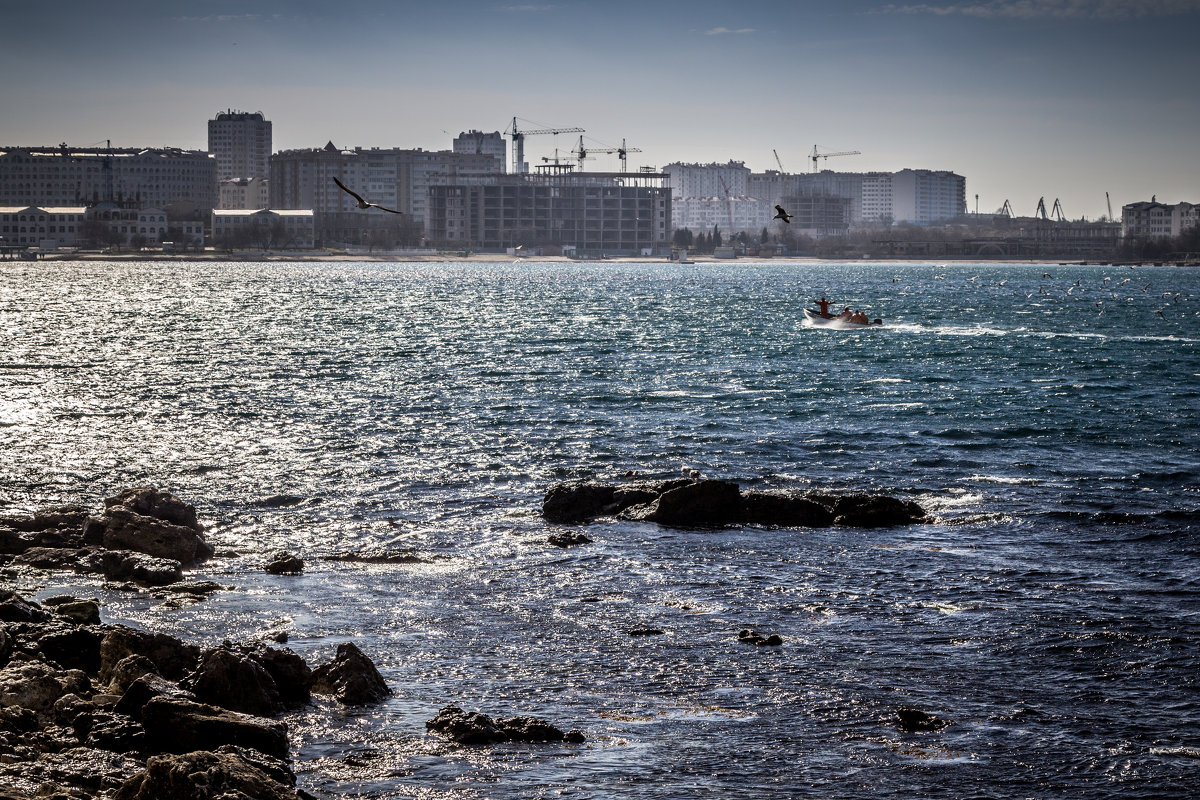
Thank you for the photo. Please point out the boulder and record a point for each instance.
(747, 636)
(14, 608)
(875, 511)
(105, 730)
(233, 680)
(785, 509)
(127, 565)
(226, 773)
(145, 689)
(128, 670)
(81, 612)
(61, 517)
(13, 542)
(56, 558)
(291, 674)
(706, 503)
(576, 502)
(150, 502)
(350, 677)
(125, 529)
(281, 562)
(172, 657)
(70, 646)
(36, 686)
(473, 727)
(568, 539)
(181, 726)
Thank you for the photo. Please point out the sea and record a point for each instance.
(1047, 416)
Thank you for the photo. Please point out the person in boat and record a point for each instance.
(824, 304)
(845, 315)
(860, 318)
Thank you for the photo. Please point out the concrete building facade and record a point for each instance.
(291, 229)
(479, 143)
(241, 144)
(1154, 220)
(64, 176)
(47, 227)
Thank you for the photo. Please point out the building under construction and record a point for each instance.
(588, 213)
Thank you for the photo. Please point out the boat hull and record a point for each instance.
(837, 322)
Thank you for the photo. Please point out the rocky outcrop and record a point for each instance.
(171, 656)
(748, 636)
(281, 562)
(127, 529)
(227, 772)
(350, 677)
(473, 727)
(182, 726)
(913, 720)
(693, 503)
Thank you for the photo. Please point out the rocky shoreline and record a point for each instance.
(94, 710)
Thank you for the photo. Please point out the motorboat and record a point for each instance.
(815, 318)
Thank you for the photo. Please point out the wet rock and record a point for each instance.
(379, 557)
(281, 562)
(81, 612)
(233, 680)
(876, 511)
(74, 773)
(128, 565)
(52, 558)
(172, 657)
(646, 632)
(473, 727)
(568, 539)
(350, 677)
(225, 773)
(181, 726)
(706, 503)
(105, 730)
(150, 502)
(155, 523)
(748, 636)
(68, 707)
(784, 509)
(576, 502)
(13, 542)
(912, 720)
(291, 674)
(71, 647)
(70, 516)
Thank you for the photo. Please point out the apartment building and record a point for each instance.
(241, 144)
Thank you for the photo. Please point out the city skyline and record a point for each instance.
(1062, 99)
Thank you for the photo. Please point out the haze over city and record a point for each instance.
(1063, 99)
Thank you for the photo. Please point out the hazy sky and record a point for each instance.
(1026, 98)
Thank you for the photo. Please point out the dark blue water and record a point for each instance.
(1049, 416)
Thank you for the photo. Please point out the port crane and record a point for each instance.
(518, 142)
(1057, 211)
(581, 152)
(816, 155)
(1109, 202)
(1040, 213)
(777, 161)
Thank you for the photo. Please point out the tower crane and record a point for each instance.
(777, 161)
(518, 141)
(581, 152)
(1057, 211)
(816, 155)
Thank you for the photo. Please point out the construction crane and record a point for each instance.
(777, 161)
(581, 152)
(518, 142)
(1109, 202)
(1005, 211)
(1040, 213)
(816, 155)
(1057, 211)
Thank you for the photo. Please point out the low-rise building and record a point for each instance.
(47, 227)
(1150, 219)
(268, 229)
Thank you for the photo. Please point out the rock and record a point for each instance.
(14, 608)
(646, 632)
(13, 542)
(876, 511)
(181, 726)
(576, 502)
(81, 612)
(71, 647)
(235, 681)
(281, 562)
(145, 689)
(473, 727)
(291, 674)
(226, 773)
(49, 519)
(149, 502)
(568, 539)
(172, 657)
(128, 565)
(379, 557)
(696, 504)
(351, 677)
(125, 529)
(74, 773)
(912, 720)
(105, 730)
(747, 636)
(56, 558)
(784, 509)
(128, 670)
(36, 686)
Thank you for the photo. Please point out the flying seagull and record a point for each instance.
(363, 203)
(783, 215)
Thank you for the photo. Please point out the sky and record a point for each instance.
(1061, 99)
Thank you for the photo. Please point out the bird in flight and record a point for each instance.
(783, 215)
(363, 203)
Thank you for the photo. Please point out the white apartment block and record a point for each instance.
(708, 180)
(64, 176)
(478, 143)
(923, 196)
(243, 193)
(241, 143)
(1152, 219)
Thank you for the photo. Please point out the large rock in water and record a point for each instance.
(576, 502)
(876, 511)
(181, 726)
(785, 509)
(695, 504)
(172, 657)
(234, 681)
(350, 677)
(156, 523)
(473, 727)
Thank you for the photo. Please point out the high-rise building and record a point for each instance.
(241, 143)
(480, 143)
